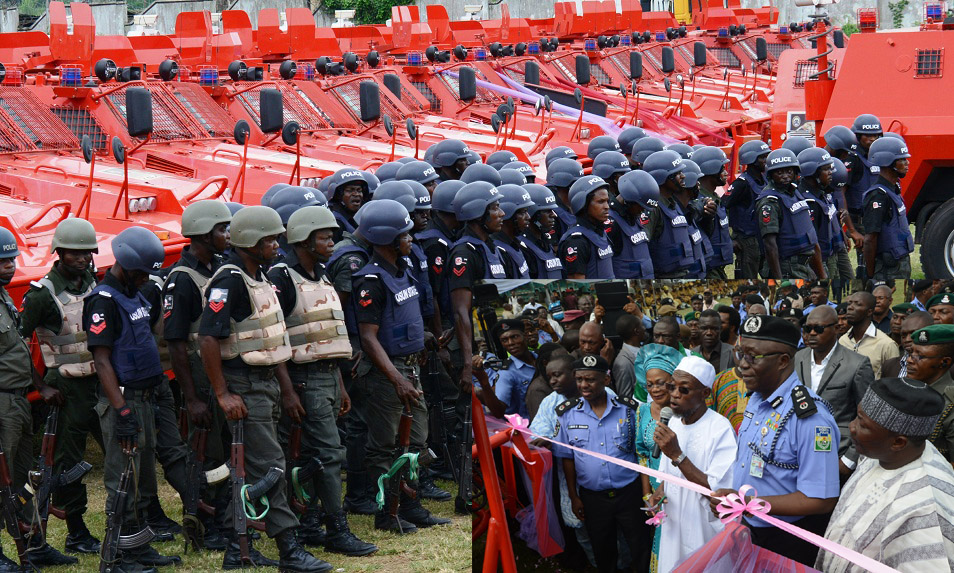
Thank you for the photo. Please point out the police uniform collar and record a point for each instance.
(190, 260)
(437, 224)
(469, 235)
(611, 402)
(519, 363)
(503, 238)
(621, 210)
(888, 184)
(292, 260)
(357, 240)
(61, 283)
(756, 174)
(235, 259)
(394, 270)
(777, 398)
(670, 201)
(110, 280)
(337, 207)
(587, 221)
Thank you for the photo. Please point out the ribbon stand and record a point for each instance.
(499, 548)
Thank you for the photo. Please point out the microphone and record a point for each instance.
(664, 416)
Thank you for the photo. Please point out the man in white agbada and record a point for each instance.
(698, 445)
(898, 505)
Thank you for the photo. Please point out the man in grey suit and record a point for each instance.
(837, 374)
(717, 353)
(630, 329)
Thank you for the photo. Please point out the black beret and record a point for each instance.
(773, 328)
(696, 297)
(592, 362)
(922, 285)
(509, 324)
(791, 313)
(666, 301)
(842, 309)
(754, 299)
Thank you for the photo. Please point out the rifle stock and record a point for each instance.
(113, 540)
(398, 482)
(305, 471)
(240, 521)
(465, 490)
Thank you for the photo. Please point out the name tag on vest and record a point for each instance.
(696, 236)
(524, 268)
(640, 237)
(603, 253)
(680, 220)
(496, 269)
(724, 222)
(554, 264)
(406, 294)
(140, 314)
(798, 206)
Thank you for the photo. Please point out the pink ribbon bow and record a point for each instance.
(733, 506)
(520, 426)
(518, 422)
(657, 518)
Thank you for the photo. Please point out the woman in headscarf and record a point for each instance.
(657, 366)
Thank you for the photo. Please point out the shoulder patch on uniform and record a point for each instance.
(217, 298)
(566, 405)
(626, 400)
(822, 438)
(804, 403)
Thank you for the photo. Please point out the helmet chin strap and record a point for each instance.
(255, 256)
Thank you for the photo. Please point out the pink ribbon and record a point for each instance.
(730, 507)
(733, 505)
(657, 518)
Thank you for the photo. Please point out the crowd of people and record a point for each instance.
(839, 415)
(306, 337)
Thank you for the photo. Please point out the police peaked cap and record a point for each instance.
(771, 328)
(592, 362)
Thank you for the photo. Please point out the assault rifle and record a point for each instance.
(113, 541)
(8, 506)
(241, 493)
(42, 482)
(398, 482)
(302, 470)
(441, 415)
(466, 484)
(196, 480)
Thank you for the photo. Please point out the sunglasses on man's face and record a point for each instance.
(817, 328)
(682, 389)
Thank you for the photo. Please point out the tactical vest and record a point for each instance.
(796, 233)
(443, 297)
(343, 221)
(672, 251)
(633, 260)
(260, 339)
(519, 261)
(895, 236)
(14, 352)
(720, 239)
(854, 194)
(316, 327)
(600, 263)
(701, 252)
(829, 228)
(66, 349)
(417, 264)
(350, 320)
(201, 281)
(401, 331)
(157, 329)
(493, 265)
(134, 355)
(742, 215)
(546, 263)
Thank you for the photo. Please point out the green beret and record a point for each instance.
(903, 308)
(785, 284)
(943, 298)
(690, 316)
(934, 334)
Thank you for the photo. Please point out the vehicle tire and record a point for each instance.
(937, 243)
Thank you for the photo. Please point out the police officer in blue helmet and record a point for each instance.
(670, 244)
(888, 241)
(585, 247)
(450, 158)
(537, 242)
(638, 193)
(785, 223)
(348, 190)
(389, 318)
(688, 198)
(561, 174)
(515, 202)
(712, 162)
(739, 200)
(816, 166)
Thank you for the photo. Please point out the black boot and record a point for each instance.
(42, 554)
(147, 556)
(233, 557)
(79, 539)
(341, 540)
(160, 523)
(293, 559)
(7, 565)
(311, 531)
(427, 489)
(412, 510)
(357, 499)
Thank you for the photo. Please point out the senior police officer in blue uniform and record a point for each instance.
(888, 241)
(785, 223)
(392, 336)
(585, 246)
(609, 495)
(638, 193)
(740, 199)
(788, 441)
(535, 242)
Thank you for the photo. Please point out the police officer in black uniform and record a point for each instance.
(867, 129)
(739, 200)
(585, 246)
(515, 202)
(116, 318)
(785, 223)
(536, 242)
(392, 335)
(450, 157)
(638, 193)
(815, 165)
(561, 174)
(888, 241)
(347, 190)
(670, 244)
(712, 162)
(698, 218)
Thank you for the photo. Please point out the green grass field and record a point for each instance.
(443, 549)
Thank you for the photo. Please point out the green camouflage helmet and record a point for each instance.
(306, 220)
(253, 223)
(201, 217)
(74, 233)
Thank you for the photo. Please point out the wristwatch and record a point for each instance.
(679, 460)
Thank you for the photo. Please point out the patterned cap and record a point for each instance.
(904, 406)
